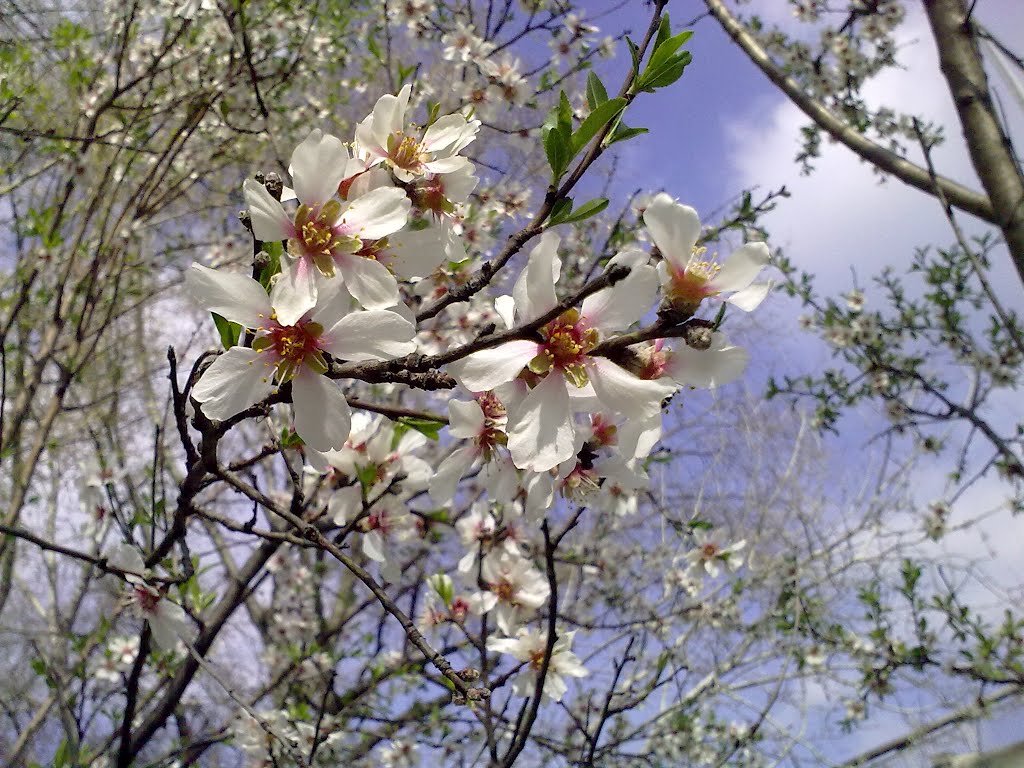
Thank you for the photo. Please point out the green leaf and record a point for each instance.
(665, 50)
(557, 149)
(664, 32)
(596, 93)
(622, 133)
(596, 120)
(559, 211)
(585, 211)
(664, 74)
(428, 427)
(229, 332)
(634, 53)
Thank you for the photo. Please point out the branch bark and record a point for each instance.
(958, 195)
(989, 147)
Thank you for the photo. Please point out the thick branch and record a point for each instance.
(991, 153)
(960, 196)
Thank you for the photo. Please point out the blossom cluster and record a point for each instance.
(563, 398)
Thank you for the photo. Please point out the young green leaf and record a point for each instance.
(596, 120)
(596, 92)
(585, 211)
(229, 332)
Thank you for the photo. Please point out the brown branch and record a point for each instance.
(963, 198)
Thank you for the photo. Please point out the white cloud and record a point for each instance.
(841, 216)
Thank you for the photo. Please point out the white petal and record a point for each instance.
(168, 624)
(444, 132)
(417, 253)
(234, 296)
(486, 369)
(751, 297)
(370, 335)
(446, 165)
(369, 282)
(294, 291)
(466, 419)
(541, 434)
(743, 265)
(237, 379)
(707, 368)
(373, 546)
(534, 291)
(446, 479)
(378, 213)
(345, 504)
(322, 415)
(619, 306)
(623, 392)
(269, 220)
(674, 227)
(317, 167)
(505, 306)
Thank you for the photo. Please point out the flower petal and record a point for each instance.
(317, 167)
(708, 368)
(378, 213)
(534, 291)
(370, 335)
(322, 415)
(270, 222)
(466, 419)
(750, 297)
(417, 253)
(674, 227)
(446, 479)
(623, 392)
(369, 282)
(294, 292)
(541, 434)
(488, 368)
(237, 379)
(236, 297)
(739, 270)
(619, 306)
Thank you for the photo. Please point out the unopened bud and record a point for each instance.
(274, 185)
(698, 337)
(469, 674)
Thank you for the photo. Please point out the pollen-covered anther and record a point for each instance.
(566, 342)
(405, 152)
(294, 346)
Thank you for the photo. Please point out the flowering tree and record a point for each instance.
(422, 501)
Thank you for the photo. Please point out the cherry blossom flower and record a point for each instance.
(708, 368)
(686, 276)
(514, 589)
(383, 138)
(293, 353)
(709, 553)
(528, 646)
(166, 619)
(541, 432)
(481, 421)
(326, 236)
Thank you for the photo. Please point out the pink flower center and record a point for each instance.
(690, 286)
(147, 599)
(405, 152)
(567, 339)
(293, 346)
